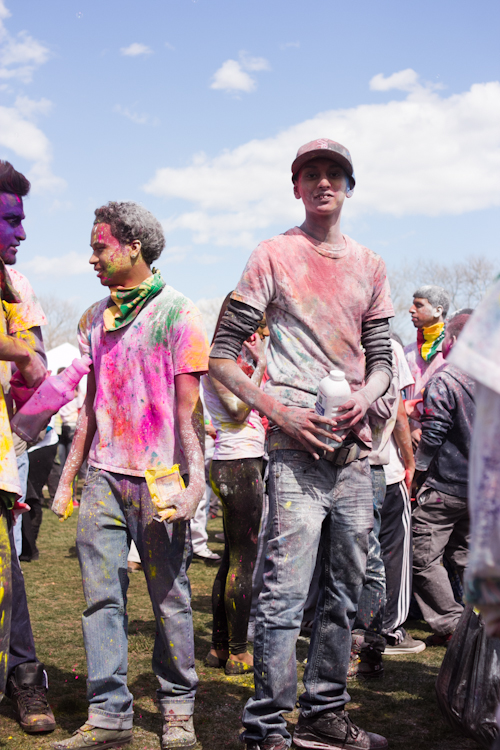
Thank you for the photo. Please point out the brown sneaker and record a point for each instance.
(27, 689)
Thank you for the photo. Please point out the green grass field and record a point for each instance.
(401, 706)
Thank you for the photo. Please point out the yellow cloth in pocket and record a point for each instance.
(164, 485)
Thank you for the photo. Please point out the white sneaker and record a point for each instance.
(207, 554)
(407, 646)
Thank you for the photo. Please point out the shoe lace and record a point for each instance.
(352, 730)
(32, 698)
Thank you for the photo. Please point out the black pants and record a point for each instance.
(239, 485)
(396, 547)
(41, 462)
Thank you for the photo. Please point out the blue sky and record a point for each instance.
(196, 109)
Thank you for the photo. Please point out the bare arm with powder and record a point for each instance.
(25, 348)
(238, 409)
(192, 433)
(402, 436)
(84, 434)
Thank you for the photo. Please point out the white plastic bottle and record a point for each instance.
(333, 391)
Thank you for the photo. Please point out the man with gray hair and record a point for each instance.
(142, 414)
(428, 312)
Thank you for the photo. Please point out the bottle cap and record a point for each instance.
(337, 375)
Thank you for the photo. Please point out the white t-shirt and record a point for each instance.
(395, 469)
(234, 440)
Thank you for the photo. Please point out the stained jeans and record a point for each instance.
(372, 602)
(310, 501)
(115, 508)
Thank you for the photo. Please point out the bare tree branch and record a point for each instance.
(63, 317)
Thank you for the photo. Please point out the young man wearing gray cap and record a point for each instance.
(324, 296)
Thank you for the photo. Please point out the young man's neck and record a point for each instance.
(324, 228)
(136, 277)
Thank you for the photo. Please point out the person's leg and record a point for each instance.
(41, 462)
(298, 498)
(457, 549)
(23, 465)
(345, 547)
(6, 554)
(396, 546)
(165, 550)
(29, 549)
(371, 606)
(240, 486)
(220, 632)
(258, 571)
(102, 546)
(433, 524)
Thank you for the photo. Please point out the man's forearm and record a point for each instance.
(377, 384)
(402, 436)
(230, 375)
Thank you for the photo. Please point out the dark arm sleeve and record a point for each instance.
(436, 421)
(376, 342)
(237, 325)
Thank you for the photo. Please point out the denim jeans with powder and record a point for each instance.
(114, 509)
(310, 502)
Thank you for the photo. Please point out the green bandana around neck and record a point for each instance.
(429, 339)
(129, 302)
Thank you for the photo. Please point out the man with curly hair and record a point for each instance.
(142, 412)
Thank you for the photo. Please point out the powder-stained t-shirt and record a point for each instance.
(14, 317)
(315, 301)
(422, 372)
(135, 367)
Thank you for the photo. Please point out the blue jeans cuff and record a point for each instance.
(176, 707)
(108, 720)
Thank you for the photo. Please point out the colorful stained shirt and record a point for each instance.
(14, 317)
(395, 469)
(135, 367)
(422, 371)
(316, 301)
(477, 352)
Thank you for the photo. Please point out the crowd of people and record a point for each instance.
(335, 526)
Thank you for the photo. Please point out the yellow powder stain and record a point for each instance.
(152, 571)
(287, 505)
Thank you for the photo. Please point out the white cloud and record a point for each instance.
(19, 134)
(135, 49)
(404, 80)
(232, 76)
(138, 118)
(173, 254)
(288, 45)
(19, 55)
(207, 259)
(170, 46)
(427, 154)
(254, 63)
(71, 264)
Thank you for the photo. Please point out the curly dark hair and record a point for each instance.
(12, 181)
(130, 221)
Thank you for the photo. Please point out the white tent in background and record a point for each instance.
(63, 356)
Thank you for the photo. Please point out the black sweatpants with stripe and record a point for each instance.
(396, 546)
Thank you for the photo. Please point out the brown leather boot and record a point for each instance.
(27, 689)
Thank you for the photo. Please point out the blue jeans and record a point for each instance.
(371, 607)
(310, 502)
(114, 509)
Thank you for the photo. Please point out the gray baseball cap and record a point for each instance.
(324, 148)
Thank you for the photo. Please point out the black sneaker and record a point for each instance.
(27, 689)
(366, 662)
(272, 742)
(334, 729)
